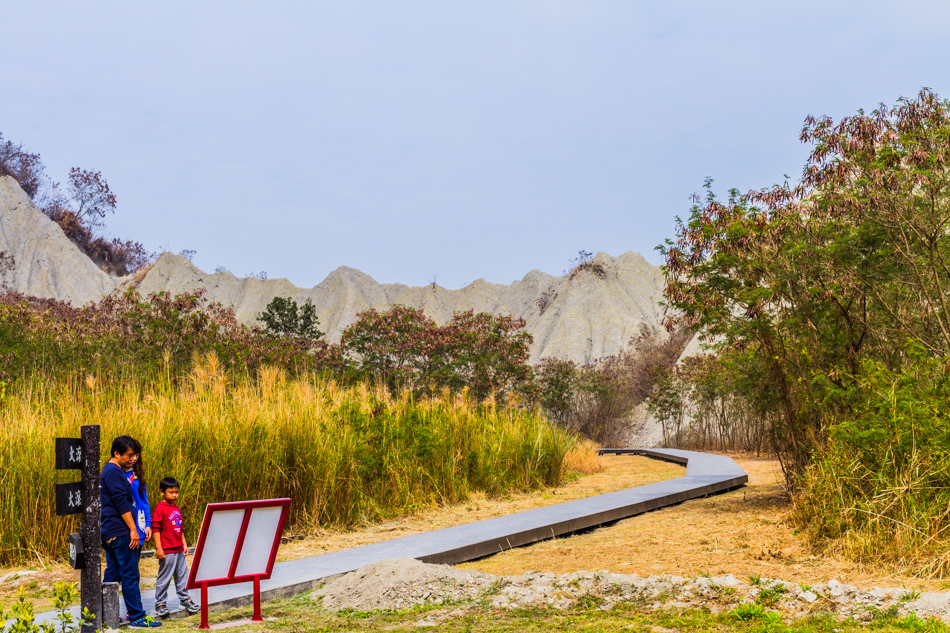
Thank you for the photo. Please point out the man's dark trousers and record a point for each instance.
(122, 564)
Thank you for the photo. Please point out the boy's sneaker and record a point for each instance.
(190, 606)
(161, 610)
(144, 623)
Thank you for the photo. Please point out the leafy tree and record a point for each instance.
(284, 317)
(392, 346)
(557, 383)
(851, 264)
(482, 352)
(485, 352)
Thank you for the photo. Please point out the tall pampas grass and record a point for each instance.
(346, 455)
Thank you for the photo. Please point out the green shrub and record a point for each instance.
(880, 489)
(148, 337)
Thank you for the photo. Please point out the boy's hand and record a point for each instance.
(159, 553)
(148, 533)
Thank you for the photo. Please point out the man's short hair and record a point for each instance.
(122, 444)
(168, 482)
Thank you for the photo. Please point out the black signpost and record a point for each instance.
(85, 552)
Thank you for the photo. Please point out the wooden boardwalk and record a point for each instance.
(705, 475)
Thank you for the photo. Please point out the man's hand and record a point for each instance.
(134, 544)
(148, 533)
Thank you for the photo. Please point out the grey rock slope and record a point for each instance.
(46, 263)
(591, 313)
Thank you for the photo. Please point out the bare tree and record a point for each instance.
(92, 195)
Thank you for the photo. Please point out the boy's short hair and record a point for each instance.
(168, 482)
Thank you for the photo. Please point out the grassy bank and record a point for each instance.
(345, 455)
(302, 614)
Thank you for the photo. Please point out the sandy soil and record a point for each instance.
(406, 583)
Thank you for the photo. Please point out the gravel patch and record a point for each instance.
(406, 583)
(401, 584)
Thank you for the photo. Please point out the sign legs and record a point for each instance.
(257, 600)
(204, 607)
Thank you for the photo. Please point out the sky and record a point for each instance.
(440, 141)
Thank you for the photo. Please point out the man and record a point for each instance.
(120, 535)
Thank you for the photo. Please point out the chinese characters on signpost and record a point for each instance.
(82, 497)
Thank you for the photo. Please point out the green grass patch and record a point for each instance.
(300, 614)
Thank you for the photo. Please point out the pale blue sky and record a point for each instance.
(416, 139)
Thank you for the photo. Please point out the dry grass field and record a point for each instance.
(744, 532)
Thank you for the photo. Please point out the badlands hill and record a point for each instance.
(591, 313)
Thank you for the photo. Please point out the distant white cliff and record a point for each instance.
(591, 313)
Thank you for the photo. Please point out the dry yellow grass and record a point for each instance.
(347, 454)
(582, 459)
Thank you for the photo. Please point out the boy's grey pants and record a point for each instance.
(172, 566)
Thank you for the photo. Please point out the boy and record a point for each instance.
(170, 549)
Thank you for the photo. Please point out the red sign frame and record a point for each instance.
(231, 578)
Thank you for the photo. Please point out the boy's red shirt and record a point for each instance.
(167, 520)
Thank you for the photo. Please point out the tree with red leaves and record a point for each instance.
(390, 345)
(488, 354)
(810, 283)
(485, 352)
(78, 211)
(26, 168)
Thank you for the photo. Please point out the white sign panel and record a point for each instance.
(238, 542)
(261, 533)
(222, 537)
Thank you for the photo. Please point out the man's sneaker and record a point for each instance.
(144, 623)
(161, 610)
(191, 606)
